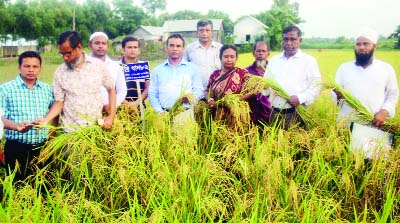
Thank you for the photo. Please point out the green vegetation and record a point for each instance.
(210, 175)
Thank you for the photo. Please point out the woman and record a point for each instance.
(226, 81)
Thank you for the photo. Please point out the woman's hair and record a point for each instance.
(225, 47)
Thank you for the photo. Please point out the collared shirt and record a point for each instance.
(375, 87)
(22, 104)
(252, 69)
(132, 93)
(79, 89)
(298, 75)
(207, 59)
(119, 78)
(168, 83)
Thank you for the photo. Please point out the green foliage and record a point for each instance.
(396, 35)
(152, 6)
(281, 15)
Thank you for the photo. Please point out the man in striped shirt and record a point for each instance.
(24, 100)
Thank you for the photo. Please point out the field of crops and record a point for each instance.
(208, 173)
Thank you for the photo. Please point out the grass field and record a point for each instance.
(211, 174)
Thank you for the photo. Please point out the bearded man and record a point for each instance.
(260, 53)
(372, 81)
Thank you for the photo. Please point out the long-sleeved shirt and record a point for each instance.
(298, 75)
(375, 87)
(207, 59)
(22, 104)
(168, 83)
(118, 76)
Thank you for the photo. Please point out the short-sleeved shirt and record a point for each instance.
(207, 59)
(22, 104)
(79, 89)
(132, 94)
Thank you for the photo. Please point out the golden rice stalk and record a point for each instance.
(234, 110)
(253, 85)
(391, 125)
(178, 108)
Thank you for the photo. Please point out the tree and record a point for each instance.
(227, 22)
(281, 15)
(127, 16)
(396, 35)
(152, 6)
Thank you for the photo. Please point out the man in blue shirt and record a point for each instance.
(24, 100)
(174, 79)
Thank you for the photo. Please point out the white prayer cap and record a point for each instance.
(369, 34)
(97, 34)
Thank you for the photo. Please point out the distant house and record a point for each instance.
(149, 33)
(248, 29)
(13, 48)
(188, 29)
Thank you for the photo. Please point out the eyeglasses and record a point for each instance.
(66, 54)
(287, 39)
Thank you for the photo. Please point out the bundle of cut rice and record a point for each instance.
(235, 111)
(178, 106)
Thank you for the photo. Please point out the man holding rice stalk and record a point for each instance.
(77, 85)
(24, 100)
(295, 72)
(369, 81)
(175, 81)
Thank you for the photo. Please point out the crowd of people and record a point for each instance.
(89, 87)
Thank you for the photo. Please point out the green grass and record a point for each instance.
(164, 174)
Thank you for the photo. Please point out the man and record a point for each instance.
(298, 74)
(204, 52)
(372, 81)
(260, 53)
(76, 87)
(98, 43)
(24, 100)
(131, 51)
(174, 78)
(259, 105)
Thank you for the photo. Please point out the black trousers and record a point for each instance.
(23, 153)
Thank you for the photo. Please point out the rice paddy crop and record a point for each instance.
(215, 174)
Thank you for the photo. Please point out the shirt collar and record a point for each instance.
(21, 82)
(298, 54)
(198, 44)
(182, 62)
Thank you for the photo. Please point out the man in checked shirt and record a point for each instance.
(24, 100)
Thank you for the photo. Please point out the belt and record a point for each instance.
(284, 110)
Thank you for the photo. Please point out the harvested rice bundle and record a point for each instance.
(391, 125)
(271, 85)
(235, 111)
(253, 85)
(178, 108)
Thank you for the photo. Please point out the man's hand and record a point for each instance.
(339, 95)
(106, 109)
(24, 127)
(108, 122)
(294, 101)
(185, 100)
(380, 118)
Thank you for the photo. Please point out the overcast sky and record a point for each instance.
(324, 18)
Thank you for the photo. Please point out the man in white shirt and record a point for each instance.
(204, 52)
(98, 43)
(298, 74)
(372, 81)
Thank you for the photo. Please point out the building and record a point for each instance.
(248, 29)
(188, 29)
(13, 48)
(149, 33)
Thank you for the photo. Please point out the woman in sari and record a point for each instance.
(226, 81)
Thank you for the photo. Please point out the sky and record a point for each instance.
(323, 18)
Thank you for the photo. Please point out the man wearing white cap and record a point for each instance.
(372, 81)
(98, 43)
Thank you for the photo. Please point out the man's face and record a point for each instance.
(175, 48)
(70, 55)
(261, 52)
(131, 50)
(291, 43)
(204, 33)
(99, 46)
(364, 50)
(30, 68)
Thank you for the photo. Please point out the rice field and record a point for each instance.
(207, 173)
